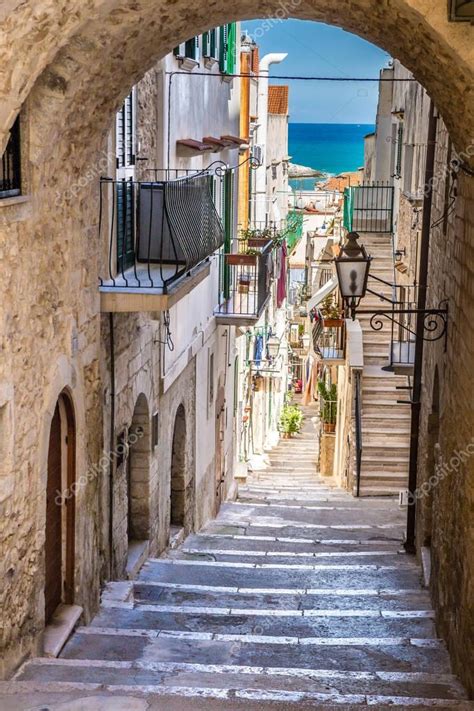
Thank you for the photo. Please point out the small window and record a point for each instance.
(10, 167)
(209, 44)
(188, 50)
(154, 430)
(398, 163)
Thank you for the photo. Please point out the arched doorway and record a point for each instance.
(60, 508)
(138, 484)
(178, 487)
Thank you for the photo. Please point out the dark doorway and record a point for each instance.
(60, 508)
(178, 470)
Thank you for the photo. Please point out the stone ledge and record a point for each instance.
(57, 632)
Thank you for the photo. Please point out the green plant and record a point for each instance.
(329, 307)
(291, 419)
(328, 402)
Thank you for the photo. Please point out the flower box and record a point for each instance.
(258, 242)
(333, 322)
(241, 259)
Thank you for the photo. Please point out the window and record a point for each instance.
(154, 430)
(10, 167)
(210, 379)
(125, 188)
(398, 163)
(125, 133)
(209, 44)
(188, 50)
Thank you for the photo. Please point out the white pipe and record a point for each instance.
(261, 138)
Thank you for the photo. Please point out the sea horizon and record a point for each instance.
(332, 148)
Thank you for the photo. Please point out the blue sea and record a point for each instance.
(330, 147)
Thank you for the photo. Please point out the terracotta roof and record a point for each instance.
(339, 182)
(278, 100)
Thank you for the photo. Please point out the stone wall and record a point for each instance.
(447, 501)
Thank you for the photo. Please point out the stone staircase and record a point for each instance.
(385, 423)
(295, 597)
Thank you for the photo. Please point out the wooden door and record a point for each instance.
(53, 540)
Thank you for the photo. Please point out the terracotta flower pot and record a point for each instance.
(333, 322)
(241, 259)
(329, 427)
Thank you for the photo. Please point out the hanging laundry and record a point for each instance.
(281, 285)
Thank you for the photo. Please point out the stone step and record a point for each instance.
(280, 574)
(288, 683)
(291, 599)
(349, 532)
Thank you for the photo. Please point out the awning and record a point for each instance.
(321, 294)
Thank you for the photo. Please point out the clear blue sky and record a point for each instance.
(322, 50)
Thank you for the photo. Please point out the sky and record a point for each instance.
(322, 50)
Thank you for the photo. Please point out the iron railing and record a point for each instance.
(329, 341)
(358, 429)
(158, 230)
(369, 208)
(10, 166)
(247, 282)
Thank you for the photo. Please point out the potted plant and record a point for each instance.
(257, 238)
(328, 397)
(331, 313)
(291, 419)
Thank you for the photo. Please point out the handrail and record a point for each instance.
(358, 430)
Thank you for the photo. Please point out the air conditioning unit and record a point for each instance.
(257, 154)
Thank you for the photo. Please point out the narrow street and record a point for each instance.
(295, 596)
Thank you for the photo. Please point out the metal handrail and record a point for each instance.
(369, 207)
(358, 430)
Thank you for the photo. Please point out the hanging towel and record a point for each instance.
(258, 350)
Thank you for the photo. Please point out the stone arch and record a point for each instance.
(139, 455)
(179, 505)
(63, 53)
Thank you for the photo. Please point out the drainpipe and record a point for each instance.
(111, 445)
(410, 544)
(261, 139)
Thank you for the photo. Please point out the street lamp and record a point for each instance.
(352, 268)
(273, 347)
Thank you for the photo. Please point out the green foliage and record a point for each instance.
(329, 307)
(328, 402)
(291, 419)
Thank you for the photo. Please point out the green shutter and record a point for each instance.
(213, 43)
(125, 207)
(206, 44)
(223, 48)
(228, 208)
(232, 46)
(192, 49)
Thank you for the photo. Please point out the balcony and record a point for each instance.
(368, 208)
(329, 340)
(160, 235)
(246, 285)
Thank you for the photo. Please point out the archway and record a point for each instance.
(178, 503)
(89, 56)
(138, 473)
(60, 508)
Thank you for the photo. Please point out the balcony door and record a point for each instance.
(125, 142)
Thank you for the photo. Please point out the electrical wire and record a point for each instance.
(297, 78)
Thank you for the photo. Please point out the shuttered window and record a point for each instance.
(125, 225)
(125, 134)
(398, 164)
(209, 44)
(189, 49)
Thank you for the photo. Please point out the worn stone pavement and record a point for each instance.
(296, 596)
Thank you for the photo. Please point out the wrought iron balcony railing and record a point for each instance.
(246, 284)
(329, 339)
(369, 208)
(158, 230)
